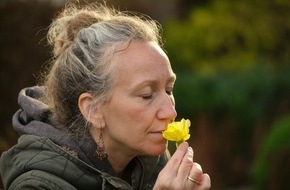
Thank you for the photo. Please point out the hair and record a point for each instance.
(84, 40)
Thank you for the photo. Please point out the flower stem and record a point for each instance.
(178, 143)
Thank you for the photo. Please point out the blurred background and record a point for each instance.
(232, 60)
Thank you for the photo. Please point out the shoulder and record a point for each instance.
(37, 160)
(41, 180)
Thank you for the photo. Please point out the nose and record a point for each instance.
(167, 108)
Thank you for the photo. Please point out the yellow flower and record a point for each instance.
(178, 131)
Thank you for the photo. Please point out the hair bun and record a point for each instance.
(67, 25)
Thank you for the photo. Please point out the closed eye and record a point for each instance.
(147, 97)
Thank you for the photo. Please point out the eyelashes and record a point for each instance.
(149, 96)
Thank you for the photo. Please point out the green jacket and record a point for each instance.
(48, 157)
(38, 163)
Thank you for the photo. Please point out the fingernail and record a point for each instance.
(190, 153)
(190, 150)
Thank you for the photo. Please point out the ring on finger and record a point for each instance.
(193, 180)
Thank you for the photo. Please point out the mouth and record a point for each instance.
(157, 136)
(158, 131)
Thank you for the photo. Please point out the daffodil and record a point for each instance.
(177, 131)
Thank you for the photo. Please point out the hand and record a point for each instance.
(181, 173)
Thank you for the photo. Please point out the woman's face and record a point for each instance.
(142, 103)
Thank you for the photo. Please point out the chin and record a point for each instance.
(157, 150)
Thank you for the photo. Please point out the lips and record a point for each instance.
(158, 131)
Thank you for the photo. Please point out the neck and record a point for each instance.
(118, 158)
(119, 162)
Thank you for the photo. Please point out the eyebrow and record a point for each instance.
(151, 81)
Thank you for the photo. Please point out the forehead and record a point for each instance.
(140, 55)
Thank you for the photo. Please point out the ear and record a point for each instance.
(91, 111)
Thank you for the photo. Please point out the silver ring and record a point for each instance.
(193, 180)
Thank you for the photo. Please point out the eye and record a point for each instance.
(147, 96)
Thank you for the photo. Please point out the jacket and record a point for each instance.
(48, 157)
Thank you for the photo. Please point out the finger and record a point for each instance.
(174, 163)
(205, 182)
(194, 177)
(186, 165)
(167, 178)
(196, 171)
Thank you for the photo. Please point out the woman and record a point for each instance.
(97, 121)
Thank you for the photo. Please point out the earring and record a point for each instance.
(101, 152)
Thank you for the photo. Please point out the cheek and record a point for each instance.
(127, 112)
(139, 117)
(138, 114)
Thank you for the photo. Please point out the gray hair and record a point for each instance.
(84, 41)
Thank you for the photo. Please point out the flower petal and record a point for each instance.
(178, 131)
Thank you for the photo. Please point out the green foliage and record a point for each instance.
(230, 36)
(272, 165)
(244, 97)
(233, 93)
